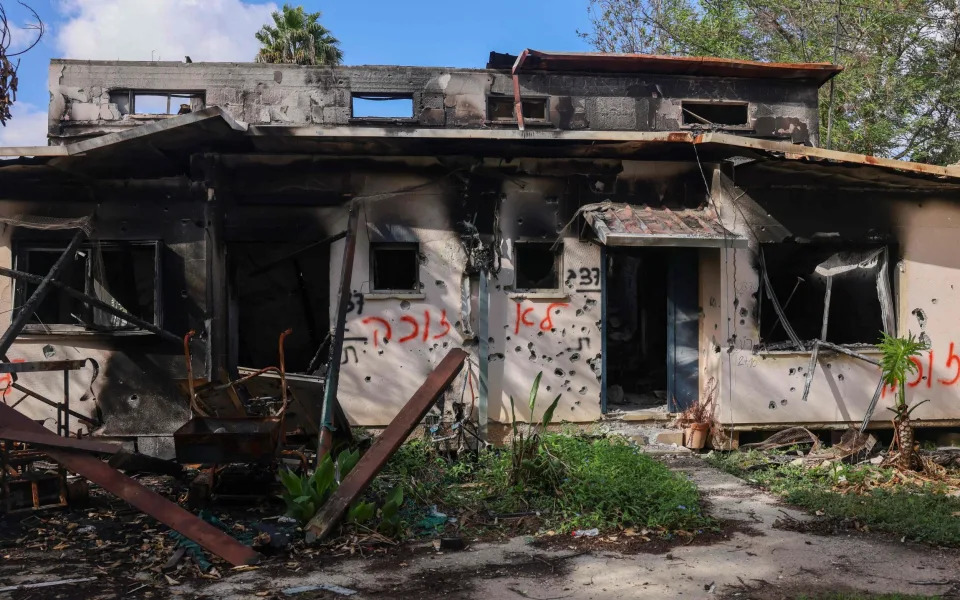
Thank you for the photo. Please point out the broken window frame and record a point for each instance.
(556, 248)
(689, 103)
(374, 247)
(386, 97)
(21, 251)
(493, 99)
(886, 298)
(197, 101)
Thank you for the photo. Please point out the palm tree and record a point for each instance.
(298, 38)
(896, 365)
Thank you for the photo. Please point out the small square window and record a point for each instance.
(537, 265)
(501, 108)
(395, 267)
(731, 114)
(381, 106)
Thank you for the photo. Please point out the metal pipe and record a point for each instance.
(27, 310)
(325, 439)
(517, 100)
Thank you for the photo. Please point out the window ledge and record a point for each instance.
(865, 350)
(395, 296)
(539, 295)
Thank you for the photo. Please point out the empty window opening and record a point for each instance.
(501, 108)
(156, 103)
(714, 113)
(122, 274)
(395, 267)
(799, 274)
(382, 106)
(537, 265)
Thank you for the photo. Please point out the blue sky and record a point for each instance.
(455, 34)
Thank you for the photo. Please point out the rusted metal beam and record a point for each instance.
(140, 497)
(42, 365)
(331, 383)
(52, 404)
(95, 303)
(55, 441)
(386, 444)
(43, 288)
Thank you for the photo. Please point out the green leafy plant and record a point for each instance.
(305, 494)
(896, 365)
(530, 461)
(390, 522)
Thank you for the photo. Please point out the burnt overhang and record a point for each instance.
(693, 66)
(628, 225)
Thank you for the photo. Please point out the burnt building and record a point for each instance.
(641, 229)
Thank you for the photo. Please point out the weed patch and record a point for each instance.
(871, 495)
(606, 484)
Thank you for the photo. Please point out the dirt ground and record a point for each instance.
(759, 554)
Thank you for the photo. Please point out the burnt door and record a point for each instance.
(683, 328)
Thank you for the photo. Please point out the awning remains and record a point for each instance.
(629, 225)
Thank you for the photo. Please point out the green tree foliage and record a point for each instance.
(297, 37)
(899, 95)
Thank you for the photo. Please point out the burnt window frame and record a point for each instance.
(558, 265)
(384, 96)
(491, 99)
(132, 93)
(21, 250)
(888, 318)
(372, 251)
(746, 126)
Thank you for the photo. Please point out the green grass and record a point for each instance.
(922, 513)
(606, 483)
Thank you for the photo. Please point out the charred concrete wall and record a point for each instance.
(139, 387)
(757, 386)
(91, 97)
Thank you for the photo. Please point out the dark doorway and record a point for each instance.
(652, 328)
(278, 286)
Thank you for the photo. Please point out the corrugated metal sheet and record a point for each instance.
(629, 225)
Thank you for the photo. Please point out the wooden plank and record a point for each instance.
(386, 444)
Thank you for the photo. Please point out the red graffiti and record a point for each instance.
(952, 359)
(443, 323)
(6, 379)
(416, 331)
(376, 332)
(924, 370)
(547, 323)
(416, 328)
(522, 317)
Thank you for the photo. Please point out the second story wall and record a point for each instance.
(90, 98)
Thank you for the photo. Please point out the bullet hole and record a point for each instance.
(716, 325)
(558, 372)
(591, 302)
(575, 357)
(548, 388)
(792, 371)
(925, 339)
(569, 389)
(445, 344)
(457, 325)
(367, 378)
(183, 294)
(742, 322)
(363, 351)
(583, 390)
(933, 301)
(520, 221)
(577, 402)
(743, 312)
(559, 354)
(517, 349)
(533, 356)
(549, 359)
(579, 311)
(783, 402)
(379, 351)
(495, 356)
(840, 376)
(921, 316)
(799, 369)
(573, 373)
(566, 382)
(48, 351)
(385, 341)
(772, 405)
(583, 330)
(405, 305)
(530, 345)
(736, 302)
(716, 349)
(508, 338)
(793, 389)
(553, 330)
(440, 283)
(539, 334)
(829, 365)
(490, 339)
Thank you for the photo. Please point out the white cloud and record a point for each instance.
(205, 30)
(28, 127)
